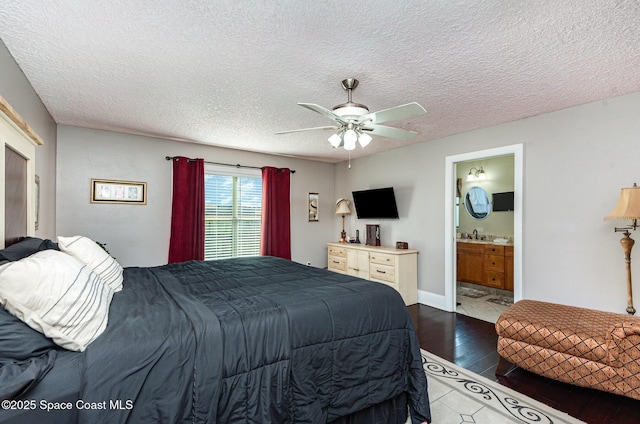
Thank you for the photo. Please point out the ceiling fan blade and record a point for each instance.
(391, 132)
(332, 127)
(393, 114)
(326, 112)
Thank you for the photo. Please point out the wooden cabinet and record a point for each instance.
(485, 264)
(338, 259)
(508, 268)
(397, 268)
(494, 266)
(470, 263)
(358, 263)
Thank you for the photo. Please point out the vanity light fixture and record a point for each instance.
(477, 175)
(627, 208)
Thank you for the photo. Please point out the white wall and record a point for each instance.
(17, 90)
(575, 162)
(139, 235)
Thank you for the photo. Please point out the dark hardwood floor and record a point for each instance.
(471, 344)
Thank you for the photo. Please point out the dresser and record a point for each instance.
(397, 268)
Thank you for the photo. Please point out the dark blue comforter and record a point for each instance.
(253, 340)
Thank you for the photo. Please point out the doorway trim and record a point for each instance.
(517, 151)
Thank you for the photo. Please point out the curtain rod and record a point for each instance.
(237, 165)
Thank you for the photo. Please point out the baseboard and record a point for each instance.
(431, 299)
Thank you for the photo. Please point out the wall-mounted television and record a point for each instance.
(379, 203)
(502, 202)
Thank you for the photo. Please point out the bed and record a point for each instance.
(250, 340)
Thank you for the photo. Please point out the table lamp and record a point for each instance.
(342, 208)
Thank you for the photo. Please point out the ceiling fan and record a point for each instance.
(354, 122)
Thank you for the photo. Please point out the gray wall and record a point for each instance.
(138, 235)
(575, 163)
(17, 90)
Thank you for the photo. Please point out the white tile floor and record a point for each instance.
(480, 307)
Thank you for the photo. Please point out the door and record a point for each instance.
(449, 300)
(15, 196)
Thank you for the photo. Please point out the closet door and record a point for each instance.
(18, 144)
(15, 196)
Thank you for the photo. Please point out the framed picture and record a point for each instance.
(312, 201)
(114, 191)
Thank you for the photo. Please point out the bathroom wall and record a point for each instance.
(499, 179)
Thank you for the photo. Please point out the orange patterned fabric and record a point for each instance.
(580, 346)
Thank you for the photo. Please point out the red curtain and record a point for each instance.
(187, 210)
(275, 237)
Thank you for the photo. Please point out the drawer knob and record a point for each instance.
(381, 272)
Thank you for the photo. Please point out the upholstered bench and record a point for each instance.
(588, 348)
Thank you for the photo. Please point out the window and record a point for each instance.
(232, 214)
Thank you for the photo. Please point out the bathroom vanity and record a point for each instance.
(485, 263)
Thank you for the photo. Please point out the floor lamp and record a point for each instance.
(342, 208)
(627, 208)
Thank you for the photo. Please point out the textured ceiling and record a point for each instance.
(229, 73)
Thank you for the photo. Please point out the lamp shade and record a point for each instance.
(364, 139)
(335, 140)
(628, 206)
(342, 207)
(350, 138)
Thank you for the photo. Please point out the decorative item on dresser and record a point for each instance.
(342, 208)
(627, 208)
(373, 235)
(397, 268)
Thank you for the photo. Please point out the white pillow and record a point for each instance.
(90, 253)
(57, 295)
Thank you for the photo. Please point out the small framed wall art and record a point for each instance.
(312, 201)
(116, 191)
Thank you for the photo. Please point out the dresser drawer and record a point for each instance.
(337, 251)
(337, 263)
(382, 259)
(494, 263)
(494, 279)
(382, 272)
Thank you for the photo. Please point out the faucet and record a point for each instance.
(475, 233)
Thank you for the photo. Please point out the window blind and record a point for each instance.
(233, 211)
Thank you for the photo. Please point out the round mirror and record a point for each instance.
(477, 203)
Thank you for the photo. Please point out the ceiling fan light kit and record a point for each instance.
(354, 121)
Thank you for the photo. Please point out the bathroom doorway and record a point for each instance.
(469, 207)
